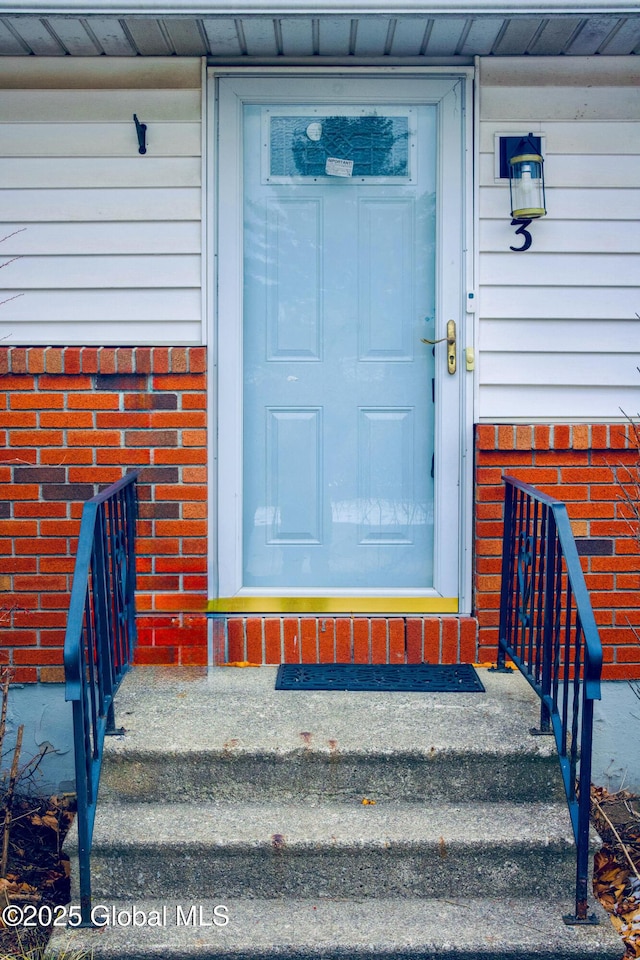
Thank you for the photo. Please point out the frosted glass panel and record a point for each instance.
(373, 143)
(378, 146)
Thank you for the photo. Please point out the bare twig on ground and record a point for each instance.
(13, 776)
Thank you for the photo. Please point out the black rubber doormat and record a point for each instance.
(385, 677)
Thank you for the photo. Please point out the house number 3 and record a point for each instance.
(527, 239)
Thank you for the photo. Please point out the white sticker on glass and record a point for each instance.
(338, 168)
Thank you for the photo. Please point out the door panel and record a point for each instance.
(338, 412)
(386, 308)
(294, 497)
(293, 272)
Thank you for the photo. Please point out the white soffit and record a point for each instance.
(263, 29)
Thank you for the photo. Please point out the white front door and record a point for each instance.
(339, 475)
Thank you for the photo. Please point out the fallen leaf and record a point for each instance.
(241, 663)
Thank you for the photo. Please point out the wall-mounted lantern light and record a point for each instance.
(526, 180)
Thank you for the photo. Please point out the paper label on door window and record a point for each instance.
(338, 168)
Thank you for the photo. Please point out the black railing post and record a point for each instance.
(131, 516)
(506, 585)
(82, 790)
(99, 645)
(104, 624)
(584, 818)
(543, 589)
(549, 529)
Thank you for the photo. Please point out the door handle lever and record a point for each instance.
(451, 345)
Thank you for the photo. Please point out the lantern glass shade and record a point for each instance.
(526, 182)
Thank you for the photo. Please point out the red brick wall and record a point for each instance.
(583, 465)
(71, 421)
(74, 419)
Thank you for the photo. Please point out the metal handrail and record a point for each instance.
(99, 644)
(548, 630)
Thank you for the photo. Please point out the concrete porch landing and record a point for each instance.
(234, 718)
(225, 791)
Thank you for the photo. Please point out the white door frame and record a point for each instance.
(454, 270)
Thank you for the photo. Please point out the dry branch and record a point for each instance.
(13, 776)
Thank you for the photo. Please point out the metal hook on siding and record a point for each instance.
(141, 130)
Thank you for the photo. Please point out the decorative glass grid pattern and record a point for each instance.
(378, 146)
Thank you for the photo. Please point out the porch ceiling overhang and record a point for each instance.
(265, 29)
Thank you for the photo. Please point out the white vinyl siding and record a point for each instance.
(559, 337)
(108, 240)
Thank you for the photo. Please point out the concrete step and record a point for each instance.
(455, 928)
(229, 734)
(317, 774)
(224, 787)
(332, 850)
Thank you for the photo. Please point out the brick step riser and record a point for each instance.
(346, 639)
(331, 776)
